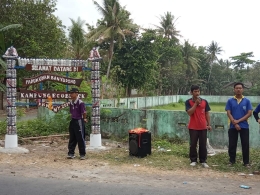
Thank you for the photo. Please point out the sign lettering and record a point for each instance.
(50, 77)
(55, 108)
(28, 94)
(49, 68)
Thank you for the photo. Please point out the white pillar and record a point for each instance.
(95, 136)
(95, 140)
(11, 141)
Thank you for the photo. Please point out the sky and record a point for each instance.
(233, 24)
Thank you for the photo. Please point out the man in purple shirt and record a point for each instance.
(77, 126)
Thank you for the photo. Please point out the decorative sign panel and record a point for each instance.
(31, 94)
(50, 68)
(54, 108)
(51, 77)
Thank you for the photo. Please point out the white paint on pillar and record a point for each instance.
(11, 141)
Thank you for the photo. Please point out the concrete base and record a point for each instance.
(11, 141)
(14, 150)
(95, 142)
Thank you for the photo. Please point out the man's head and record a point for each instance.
(74, 93)
(238, 88)
(195, 90)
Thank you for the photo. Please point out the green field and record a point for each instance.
(215, 107)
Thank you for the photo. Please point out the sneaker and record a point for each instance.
(230, 164)
(247, 165)
(205, 165)
(82, 158)
(193, 164)
(211, 153)
(70, 156)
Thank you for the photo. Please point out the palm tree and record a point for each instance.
(2, 63)
(167, 26)
(190, 56)
(191, 60)
(3, 48)
(114, 26)
(213, 50)
(77, 38)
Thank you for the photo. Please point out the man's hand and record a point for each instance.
(198, 101)
(235, 122)
(209, 128)
(237, 127)
(85, 120)
(258, 121)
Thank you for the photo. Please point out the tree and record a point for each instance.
(136, 62)
(204, 68)
(167, 26)
(241, 60)
(77, 38)
(42, 34)
(3, 65)
(4, 29)
(113, 27)
(213, 50)
(191, 59)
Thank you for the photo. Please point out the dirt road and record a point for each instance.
(48, 160)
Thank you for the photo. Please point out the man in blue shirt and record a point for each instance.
(256, 112)
(239, 109)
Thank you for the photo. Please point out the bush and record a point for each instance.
(181, 101)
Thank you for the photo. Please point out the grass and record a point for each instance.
(215, 107)
(168, 155)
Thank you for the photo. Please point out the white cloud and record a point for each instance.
(231, 23)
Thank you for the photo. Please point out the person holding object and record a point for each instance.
(77, 126)
(239, 109)
(198, 110)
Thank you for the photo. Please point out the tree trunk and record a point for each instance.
(210, 70)
(129, 91)
(1, 100)
(111, 49)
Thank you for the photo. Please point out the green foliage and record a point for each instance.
(20, 112)
(42, 33)
(3, 126)
(41, 127)
(137, 60)
(115, 24)
(180, 101)
(78, 43)
(241, 60)
(105, 112)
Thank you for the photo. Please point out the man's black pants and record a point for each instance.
(77, 136)
(196, 135)
(232, 148)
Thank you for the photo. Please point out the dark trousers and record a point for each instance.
(196, 135)
(77, 136)
(232, 148)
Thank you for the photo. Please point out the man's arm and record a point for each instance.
(233, 121)
(244, 118)
(191, 110)
(84, 115)
(83, 111)
(208, 120)
(230, 117)
(256, 112)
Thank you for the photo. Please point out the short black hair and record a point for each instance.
(74, 90)
(238, 83)
(194, 87)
